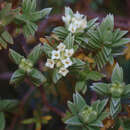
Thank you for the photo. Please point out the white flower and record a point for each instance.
(78, 16)
(83, 23)
(69, 52)
(63, 71)
(61, 47)
(67, 62)
(66, 19)
(72, 28)
(50, 63)
(76, 22)
(55, 54)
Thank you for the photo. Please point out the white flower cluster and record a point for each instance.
(76, 22)
(61, 58)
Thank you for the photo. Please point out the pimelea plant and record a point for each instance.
(74, 54)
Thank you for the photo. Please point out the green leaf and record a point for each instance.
(103, 115)
(101, 88)
(115, 107)
(35, 54)
(91, 23)
(102, 105)
(121, 42)
(77, 63)
(117, 74)
(94, 75)
(73, 121)
(81, 86)
(118, 34)
(29, 121)
(7, 37)
(72, 107)
(93, 128)
(47, 49)
(79, 101)
(30, 15)
(69, 41)
(33, 5)
(56, 76)
(29, 29)
(16, 57)
(8, 105)
(2, 121)
(37, 78)
(17, 77)
(96, 123)
(108, 23)
(40, 14)
(127, 91)
(61, 32)
(3, 43)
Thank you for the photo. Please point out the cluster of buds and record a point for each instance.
(75, 23)
(117, 89)
(26, 65)
(61, 59)
(87, 115)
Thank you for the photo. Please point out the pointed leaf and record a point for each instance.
(117, 74)
(56, 76)
(69, 41)
(2, 121)
(7, 37)
(17, 77)
(37, 78)
(101, 88)
(7, 105)
(16, 57)
(35, 54)
(72, 107)
(73, 121)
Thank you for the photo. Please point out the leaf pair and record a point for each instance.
(30, 16)
(84, 76)
(106, 42)
(115, 90)
(35, 75)
(85, 117)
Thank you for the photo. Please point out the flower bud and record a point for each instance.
(116, 89)
(88, 115)
(26, 65)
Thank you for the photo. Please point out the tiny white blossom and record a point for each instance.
(77, 23)
(61, 47)
(67, 62)
(78, 16)
(72, 28)
(69, 52)
(55, 54)
(66, 19)
(63, 71)
(50, 63)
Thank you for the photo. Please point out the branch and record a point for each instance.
(45, 101)
(21, 106)
(5, 76)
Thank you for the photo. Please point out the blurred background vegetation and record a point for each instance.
(60, 94)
